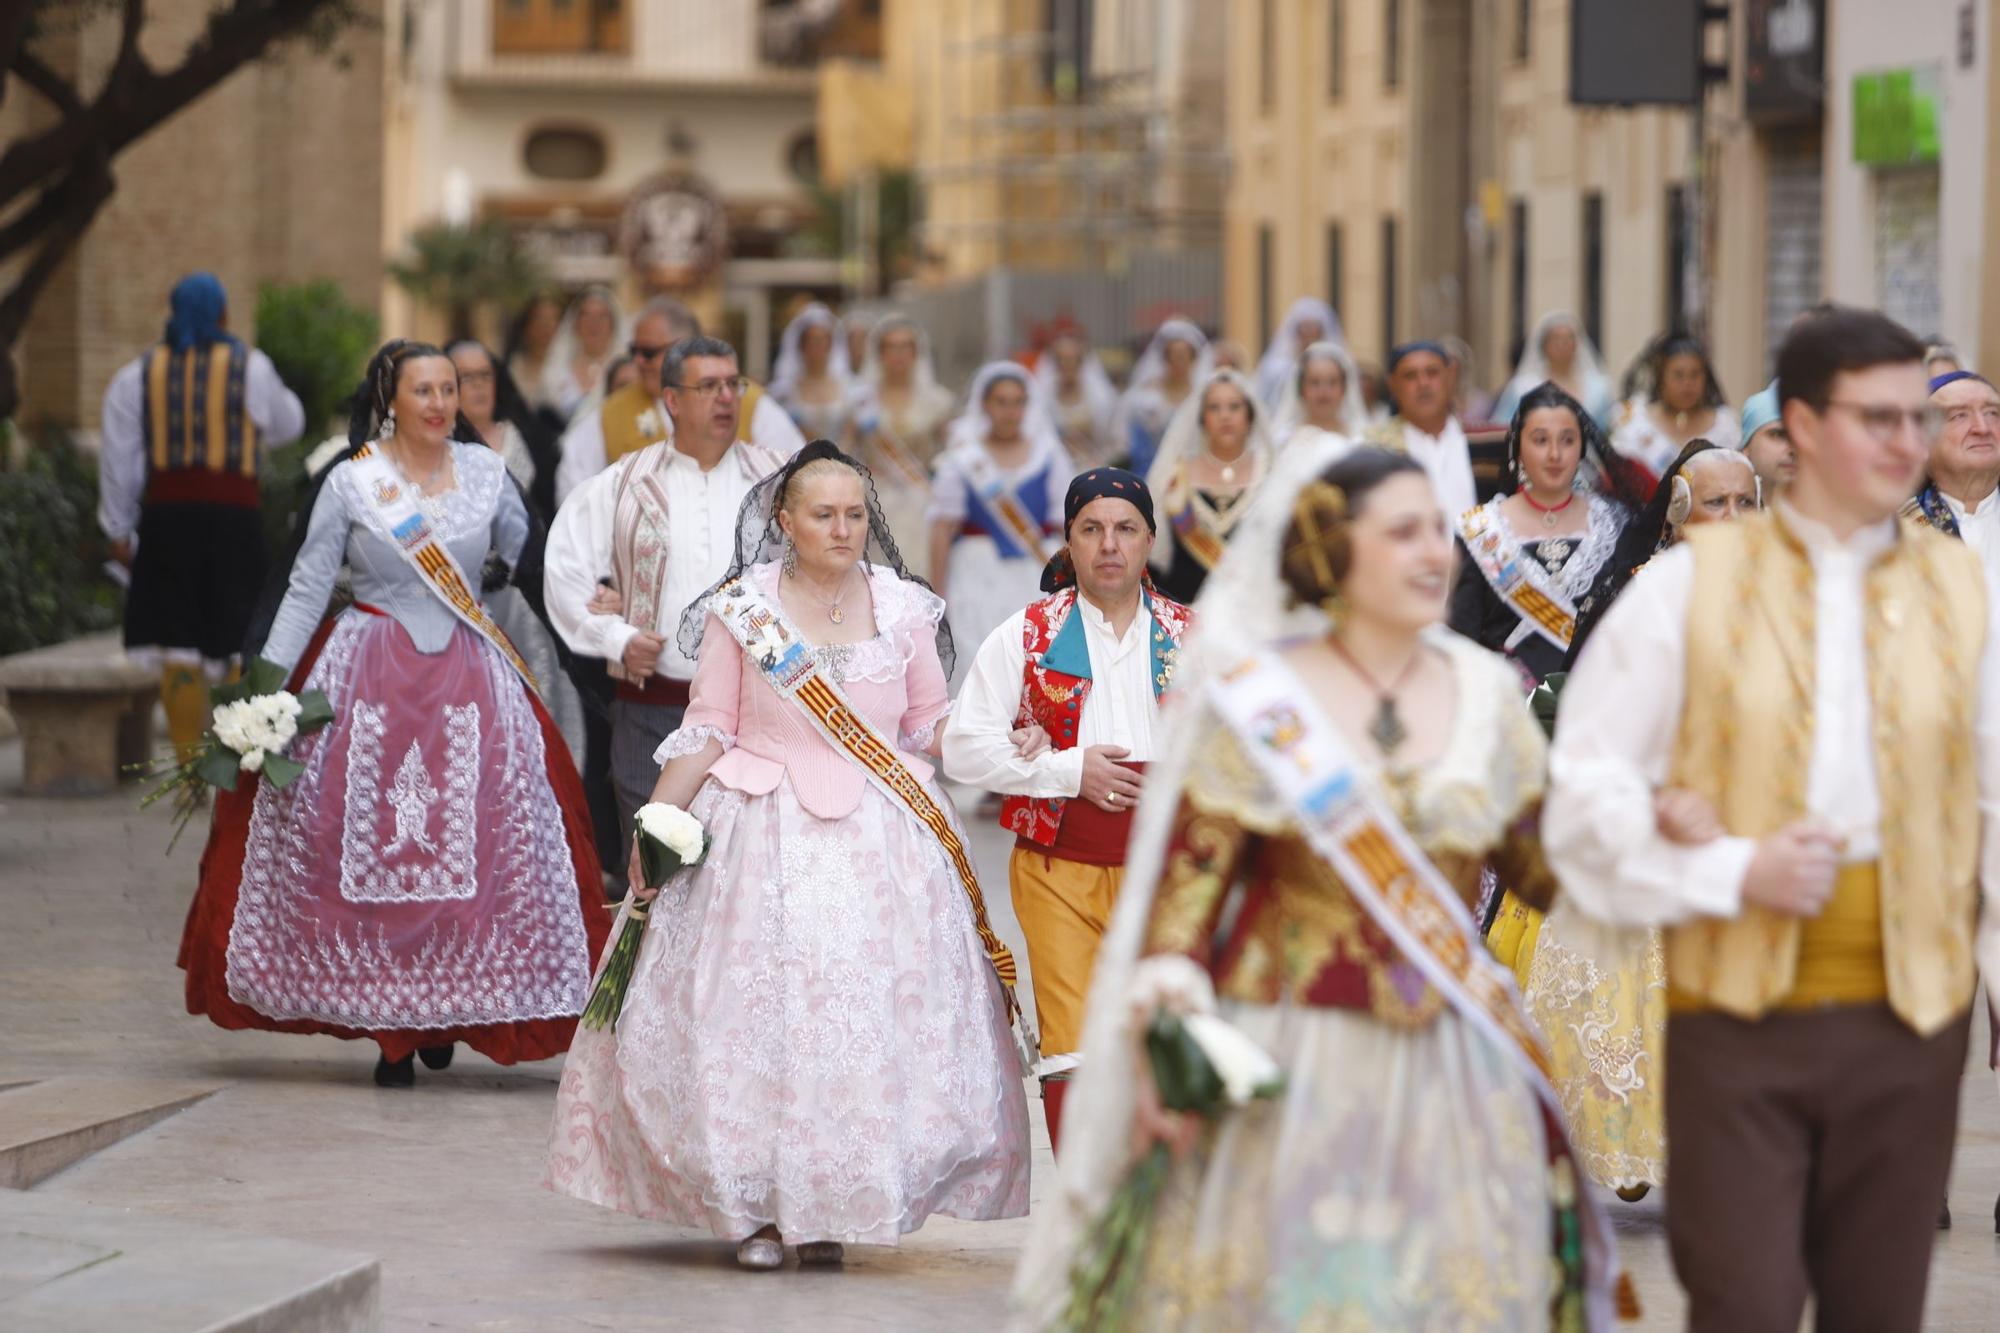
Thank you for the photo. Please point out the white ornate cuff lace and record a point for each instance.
(689, 740)
(923, 737)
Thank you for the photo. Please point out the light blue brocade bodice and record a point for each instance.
(481, 514)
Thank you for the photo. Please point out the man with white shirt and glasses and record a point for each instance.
(1958, 497)
(1822, 677)
(1058, 714)
(1424, 427)
(647, 536)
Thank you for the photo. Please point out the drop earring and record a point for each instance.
(388, 429)
(791, 560)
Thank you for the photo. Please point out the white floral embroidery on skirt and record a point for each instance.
(443, 897)
(813, 1038)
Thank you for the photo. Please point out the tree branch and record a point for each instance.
(73, 203)
(38, 75)
(13, 33)
(130, 106)
(128, 40)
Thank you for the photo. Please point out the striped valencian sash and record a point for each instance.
(781, 653)
(1515, 577)
(901, 460)
(998, 494)
(389, 503)
(1343, 819)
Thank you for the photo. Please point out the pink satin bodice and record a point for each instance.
(895, 680)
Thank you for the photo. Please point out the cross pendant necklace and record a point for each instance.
(1387, 729)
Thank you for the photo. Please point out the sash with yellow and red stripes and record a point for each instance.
(389, 501)
(1516, 579)
(1344, 821)
(785, 658)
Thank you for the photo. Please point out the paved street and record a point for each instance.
(440, 1183)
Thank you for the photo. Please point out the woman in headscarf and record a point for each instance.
(431, 876)
(1080, 395)
(591, 334)
(1766, 444)
(1682, 402)
(1559, 350)
(1323, 397)
(1532, 551)
(1309, 321)
(1413, 1171)
(814, 1046)
(810, 378)
(1174, 361)
(996, 501)
(1215, 452)
(896, 422)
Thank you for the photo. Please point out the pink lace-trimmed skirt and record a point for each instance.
(430, 878)
(813, 1038)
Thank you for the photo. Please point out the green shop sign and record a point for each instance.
(1896, 117)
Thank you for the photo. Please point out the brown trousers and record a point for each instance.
(1807, 1154)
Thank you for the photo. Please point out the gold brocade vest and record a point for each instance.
(633, 419)
(1746, 742)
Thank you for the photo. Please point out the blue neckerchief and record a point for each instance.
(1069, 653)
(1936, 512)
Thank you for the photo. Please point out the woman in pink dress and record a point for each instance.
(815, 1045)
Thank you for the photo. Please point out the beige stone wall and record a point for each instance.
(275, 175)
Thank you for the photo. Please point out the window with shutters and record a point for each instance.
(559, 27)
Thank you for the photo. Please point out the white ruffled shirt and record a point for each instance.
(583, 443)
(1621, 710)
(1121, 709)
(1980, 529)
(701, 540)
(1448, 459)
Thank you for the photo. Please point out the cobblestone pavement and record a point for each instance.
(441, 1182)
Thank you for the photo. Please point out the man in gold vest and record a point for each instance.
(635, 417)
(183, 434)
(1821, 676)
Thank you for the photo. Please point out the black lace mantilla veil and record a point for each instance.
(759, 539)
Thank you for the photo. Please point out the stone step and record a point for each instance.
(67, 1267)
(51, 1123)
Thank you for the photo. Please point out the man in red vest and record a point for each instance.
(1084, 668)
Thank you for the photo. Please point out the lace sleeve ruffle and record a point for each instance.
(689, 740)
(923, 737)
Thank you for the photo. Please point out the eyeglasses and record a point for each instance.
(648, 352)
(1883, 422)
(467, 378)
(1960, 418)
(737, 387)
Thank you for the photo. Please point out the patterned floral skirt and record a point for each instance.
(1401, 1182)
(431, 877)
(812, 1038)
(1600, 999)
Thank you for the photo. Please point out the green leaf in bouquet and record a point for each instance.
(229, 692)
(315, 711)
(282, 771)
(657, 861)
(218, 766)
(1185, 1078)
(264, 677)
(1546, 699)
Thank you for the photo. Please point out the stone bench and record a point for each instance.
(85, 713)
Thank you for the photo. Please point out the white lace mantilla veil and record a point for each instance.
(790, 367)
(1290, 412)
(969, 428)
(1152, 363)
(923, 379)
(1183, 440)
(1242, 607)
(558, 361)
(1095, 381)
(1281, 354)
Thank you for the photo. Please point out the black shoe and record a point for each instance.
(436, 1057)
(1944, 1216)
(401, 1074)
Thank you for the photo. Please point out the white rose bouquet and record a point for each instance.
(254, 721)
(1199, 1063)
(668, 840)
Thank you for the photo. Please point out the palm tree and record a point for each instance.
(458, 268)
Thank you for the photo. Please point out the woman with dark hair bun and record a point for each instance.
(430, 878)
(1530, 554)
(1339, 774)
(1675, 399)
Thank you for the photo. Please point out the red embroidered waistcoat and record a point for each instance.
(1054, 699)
